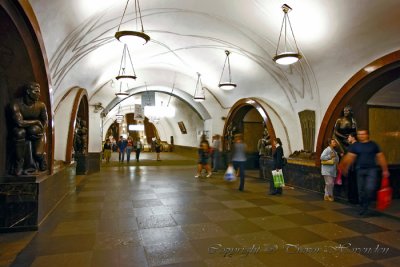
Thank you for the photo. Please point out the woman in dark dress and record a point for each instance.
(277, 155)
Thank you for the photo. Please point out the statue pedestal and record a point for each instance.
(87, 163)
(81, 164)
(26, 201)
(18, 203)
(266, 165)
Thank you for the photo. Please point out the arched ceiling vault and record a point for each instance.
(188, 36)
(182, 95)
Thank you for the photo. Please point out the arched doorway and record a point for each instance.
(360, 92)
(249, 117)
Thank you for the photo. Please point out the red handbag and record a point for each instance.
(384, 195)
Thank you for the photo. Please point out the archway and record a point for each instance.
(356, 92)
(252, 130)
(80, 111)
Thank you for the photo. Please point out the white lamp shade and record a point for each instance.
(287, 58)
(132, 38)
(227, 86)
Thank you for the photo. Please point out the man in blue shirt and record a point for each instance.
(369, 156)
(122, 144)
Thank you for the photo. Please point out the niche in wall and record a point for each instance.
(307, 122)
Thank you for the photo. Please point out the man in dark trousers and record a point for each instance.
(369, 156)
(122, 144)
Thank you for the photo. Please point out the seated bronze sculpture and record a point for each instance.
(28, 131)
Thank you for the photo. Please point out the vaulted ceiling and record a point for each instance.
(337, 39)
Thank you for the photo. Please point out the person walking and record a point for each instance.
(329, 160)
(203, 162)
(217, 149)
(239, 158)
(352, 191)
(277, 156)
(129, 147)
(367, 156)
(158, 148)
(122, 143)
(138, 149)
(107, 148)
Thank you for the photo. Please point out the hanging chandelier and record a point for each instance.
(199, 92)
(287, 56)
(123, 76)
(119, 117)
(226, 85)
(137, 37)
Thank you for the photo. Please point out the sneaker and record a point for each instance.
(208, 175)
(326, 197)
(330, 198)
(197, 176)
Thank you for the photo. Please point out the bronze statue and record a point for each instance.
(264, 145)
(29, 119)
(343, 127)
(80, 137)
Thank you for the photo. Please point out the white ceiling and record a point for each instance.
(337, 38)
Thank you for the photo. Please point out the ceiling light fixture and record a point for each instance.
(133, 37)
(226, 85)
(119, 117)
(199, 92)
(122, 76)
(286, 57)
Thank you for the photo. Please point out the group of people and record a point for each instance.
(352, 154)
(237, 158)
(125, 146)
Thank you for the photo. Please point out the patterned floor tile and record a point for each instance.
(362, 227)
(369, 248)
(297, 235)
(303, 219)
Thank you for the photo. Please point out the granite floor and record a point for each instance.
(160, 215)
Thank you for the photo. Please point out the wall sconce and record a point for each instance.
(226, 85)
(286, 57)
(133, 37)
(199, 93)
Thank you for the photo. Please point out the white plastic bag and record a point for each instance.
(229, 175)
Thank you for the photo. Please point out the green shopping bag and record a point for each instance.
(278, 178)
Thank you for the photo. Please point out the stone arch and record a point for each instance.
(357, 91)
(239, 110)
(80, 108)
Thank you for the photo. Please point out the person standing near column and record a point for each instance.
(369, 156)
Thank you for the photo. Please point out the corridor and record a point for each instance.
(160, 215)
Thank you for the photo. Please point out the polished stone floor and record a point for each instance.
(157, 214)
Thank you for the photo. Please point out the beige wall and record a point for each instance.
(384, 128)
